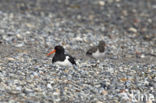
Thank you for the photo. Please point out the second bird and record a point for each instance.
(97, 51)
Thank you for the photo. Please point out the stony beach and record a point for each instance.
(31, 29)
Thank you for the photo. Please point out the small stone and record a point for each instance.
(19, 36)
(104, 92)
(124, 12)
(35, 74)
(18, 88)
(20, 44)
(91, 17)
(27, 91)
(14, 92)
(30, 25)
(142, 56)
(79, 17)
(11, 59)
(150, 20)
(101, 3)
(123, 79)
(78, 38)
(99, 102)
(49, 86)
(132, 30)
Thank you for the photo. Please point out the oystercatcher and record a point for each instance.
(97, 51)
(61, 58)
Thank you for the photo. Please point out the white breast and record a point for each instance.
(66, 62)
(97, 54)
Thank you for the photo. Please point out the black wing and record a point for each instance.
(71, 59)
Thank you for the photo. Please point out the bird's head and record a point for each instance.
(58, 49)
(102, 44)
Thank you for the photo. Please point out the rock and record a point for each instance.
(132, 30)
(104, 92)
(101, 3)
(49, 86)
(99, 102)
(10, 59)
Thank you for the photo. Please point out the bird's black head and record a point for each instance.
(102, 43)
(59, 49)
(101, 46)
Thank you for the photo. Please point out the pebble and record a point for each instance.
(49, 86)
(99, 102)
(19, 45)
(133, 30)
(19, 36)
(104, 92)
(10, 59)
(78, 39)
(101, 3)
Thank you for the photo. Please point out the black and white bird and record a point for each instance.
(97, 51)
(60, 58)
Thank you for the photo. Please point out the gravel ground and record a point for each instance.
(30, 29)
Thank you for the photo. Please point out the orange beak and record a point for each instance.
(51, 52)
